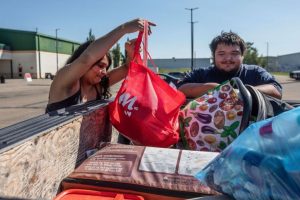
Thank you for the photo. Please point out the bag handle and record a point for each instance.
(247, 101)
(142, 34)
(145, 49)
(137, 56)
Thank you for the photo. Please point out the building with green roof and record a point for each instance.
(32, 52)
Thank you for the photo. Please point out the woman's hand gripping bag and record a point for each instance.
(262, 163)
(212, 121)
(146, 108)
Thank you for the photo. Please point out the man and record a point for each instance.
(228, 51)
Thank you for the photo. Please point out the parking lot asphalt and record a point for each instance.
(21, 100)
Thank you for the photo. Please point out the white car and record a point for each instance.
(295, 74)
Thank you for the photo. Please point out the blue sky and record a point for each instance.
(276, 22)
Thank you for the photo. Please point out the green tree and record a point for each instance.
(91, 36)
(117, 55)
(251, 56)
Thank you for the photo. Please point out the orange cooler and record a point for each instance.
(80, 194)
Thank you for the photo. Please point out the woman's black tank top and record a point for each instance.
(72, 100)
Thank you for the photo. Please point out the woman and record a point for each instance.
(85, 77)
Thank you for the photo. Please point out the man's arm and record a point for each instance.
(193, 90)
(269, 89)
(267, 84)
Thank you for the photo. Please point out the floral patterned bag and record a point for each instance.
(212, 121)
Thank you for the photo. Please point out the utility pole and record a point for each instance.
(192, 36)
(56, 45)
(267, 55)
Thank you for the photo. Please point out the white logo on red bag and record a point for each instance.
(127, 99)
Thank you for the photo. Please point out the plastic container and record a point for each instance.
(80, 194)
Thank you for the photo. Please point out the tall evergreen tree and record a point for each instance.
(91, 36)
(117, 55)
(124, 56)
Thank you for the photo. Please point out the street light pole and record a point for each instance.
(267, 55)
(56, 45)
(192, 37)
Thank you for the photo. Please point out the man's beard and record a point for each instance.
(232, 72)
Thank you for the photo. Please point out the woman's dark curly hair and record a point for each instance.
(104, 83)
(227, 38)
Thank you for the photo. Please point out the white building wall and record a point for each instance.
(26, 61)
(48, 62)
(5, 68)
(5, 63)
(5, 54)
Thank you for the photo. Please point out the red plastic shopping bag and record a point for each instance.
(146, 108)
